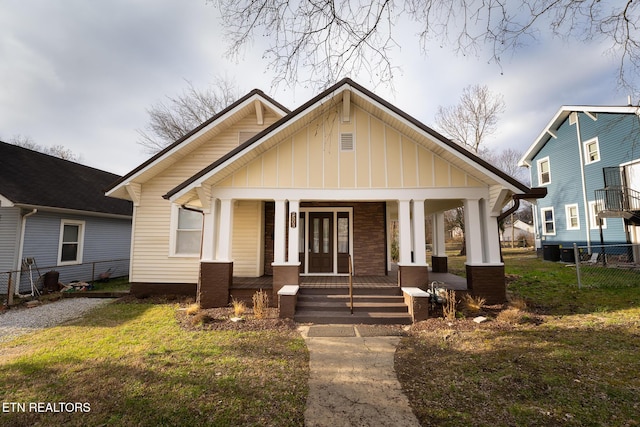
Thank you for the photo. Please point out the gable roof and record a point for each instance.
(296, 119)
(32, 179)
(563, 113)
(190, 141)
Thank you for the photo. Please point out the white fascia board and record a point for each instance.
(197, 135)
(560, 116)
(72, 211)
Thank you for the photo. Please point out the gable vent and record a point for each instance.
(346, 141)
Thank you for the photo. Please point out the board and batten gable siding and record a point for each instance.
(9, 238)
(151, 260)
(105, 239)
(382, 157)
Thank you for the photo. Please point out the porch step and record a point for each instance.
(331, 306)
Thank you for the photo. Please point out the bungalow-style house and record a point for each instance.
(259, 190)
(588, 159)
(54, 216)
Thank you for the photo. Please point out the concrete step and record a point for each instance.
(342, 317)
(362, 307)
(379, 299)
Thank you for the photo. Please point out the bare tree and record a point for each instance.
(473, 119)
(178, 115)
(507, 161)
(331, 38)
(56, 150)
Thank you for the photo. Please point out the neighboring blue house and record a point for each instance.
(54, 216)
(588, 158)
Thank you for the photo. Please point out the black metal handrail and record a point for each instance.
(618, 199)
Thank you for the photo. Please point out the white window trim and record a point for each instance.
(81, 227)
(567, 210)
(594, 219)
(173, 235)
(544, 222)
(540, 171)
(587, 160)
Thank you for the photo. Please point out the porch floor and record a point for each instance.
(451, 281)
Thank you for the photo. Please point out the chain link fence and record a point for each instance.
(613, 265)
(31, 278)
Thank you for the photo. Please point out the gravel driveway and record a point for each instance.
(22, 321)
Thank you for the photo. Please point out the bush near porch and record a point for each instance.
(570, 357)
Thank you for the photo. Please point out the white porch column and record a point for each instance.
(209, 232)
(404, 228)
(439, 248)
(294, 232)
(225, 235)
(491, 236)
(279, 232)
(419, 241)
(473, 231)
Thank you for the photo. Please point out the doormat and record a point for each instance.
(331, 331)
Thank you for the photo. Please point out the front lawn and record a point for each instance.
(575, 365)
(133, 364)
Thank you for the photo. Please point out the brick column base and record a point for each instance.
(284, 275)
(215, 281)
(439, 264)
(413, 276)
(487, 281)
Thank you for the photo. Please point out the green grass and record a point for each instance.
(576, 368)
(119, 284)
(135, 365)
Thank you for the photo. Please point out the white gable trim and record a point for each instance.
(5, 203)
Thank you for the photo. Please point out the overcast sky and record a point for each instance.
(82, 74)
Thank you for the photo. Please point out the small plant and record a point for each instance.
(260, 304)
(512, 316)
(449, 305)
(518, 303)
(473, 305)
(193, 309)
(239, 307)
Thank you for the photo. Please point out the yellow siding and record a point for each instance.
(409, 168)
(378, 162)
(394, 169)
(331, 151)
(362, 148)
(247, 238)
(425, 162)
(285, 166)
(382, 158)
(150, 260)
(300, 160)
(442, 172)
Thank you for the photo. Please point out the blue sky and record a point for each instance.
(82, 74)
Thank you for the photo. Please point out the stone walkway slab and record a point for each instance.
(353, 383)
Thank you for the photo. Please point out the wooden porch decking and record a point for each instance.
(450, 281)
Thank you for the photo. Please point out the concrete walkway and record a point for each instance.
(352, 380)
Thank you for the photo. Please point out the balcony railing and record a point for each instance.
(617, 200)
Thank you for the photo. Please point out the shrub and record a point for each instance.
(473, 305)
(239, 307)
(260, 304)
(449, 306)
(193, 309)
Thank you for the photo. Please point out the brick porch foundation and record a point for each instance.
(215, 281)
(487, 282)
(413, 276)
(283, 275)
(439, 264)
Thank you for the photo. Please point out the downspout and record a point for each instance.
(536, 193)
(23, 228)
(587, 214)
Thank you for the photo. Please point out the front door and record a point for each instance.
(320, 242)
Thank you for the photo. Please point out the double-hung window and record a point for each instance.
(544, 172)
(594, 209)
(591, 151)
(548, 222)
(573, 221)
(71, 242)
(187, 232)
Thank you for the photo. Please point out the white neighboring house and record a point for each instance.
(517, 232)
